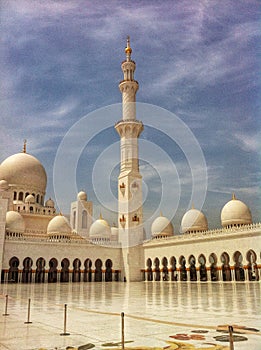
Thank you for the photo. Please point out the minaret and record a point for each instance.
(129, 181)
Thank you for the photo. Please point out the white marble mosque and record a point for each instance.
(39, 245)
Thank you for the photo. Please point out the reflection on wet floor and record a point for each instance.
(154, 312)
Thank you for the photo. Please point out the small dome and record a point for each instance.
(161, 226)
(3, 185)
(30, 199)
(24, 170)
(235, 212)
(14, 222)
(49, 203)
(59, 225)
(194, 221)
(82, 196)
(100, 229)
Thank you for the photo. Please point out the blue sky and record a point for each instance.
(60, 61)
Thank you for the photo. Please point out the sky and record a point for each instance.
(198, 68)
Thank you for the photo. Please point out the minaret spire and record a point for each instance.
(24, 147)
(128, 50)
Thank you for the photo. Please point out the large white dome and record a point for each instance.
(24, 170)
(161, 226)
(100, 229)
(59, 225)
(14, 222)
(194, 221)
(235, 212)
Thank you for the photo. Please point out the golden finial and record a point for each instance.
(24, 147)
(192, 206)
(161, 213)
(128, 49)
(101, 218)
(233, 196)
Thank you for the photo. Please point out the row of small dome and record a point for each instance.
(60, 225)
(233, 213)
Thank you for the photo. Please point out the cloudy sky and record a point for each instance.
(197, 63)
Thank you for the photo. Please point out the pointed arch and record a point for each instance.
(108, 271)
(183, 269)
(52, 273)
(213, 267)
(226, 271)
(27, 270)
(149, 270)
(192, 268)
(76, 275)
(98, 271)
(64, 276)
(238, 266)
(87, 277)
(253, 274)
(165, 270)
(40, 270)
(157, 269)
(13, 269)
(202, 268)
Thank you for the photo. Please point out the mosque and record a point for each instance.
(39, 245)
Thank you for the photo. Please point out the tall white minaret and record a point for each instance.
(130, 218)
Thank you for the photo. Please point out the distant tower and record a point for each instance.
(130, 216)
(81, 215)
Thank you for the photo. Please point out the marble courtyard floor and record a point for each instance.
(155, 312)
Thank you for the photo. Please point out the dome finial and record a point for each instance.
(233, 196)
(192, 205)
(128, 49)
(24, 147)
(101, 218)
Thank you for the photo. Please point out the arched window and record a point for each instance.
(20, 196)
(15, 195)
(84, 219)
(74, 219)
(37, 198)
